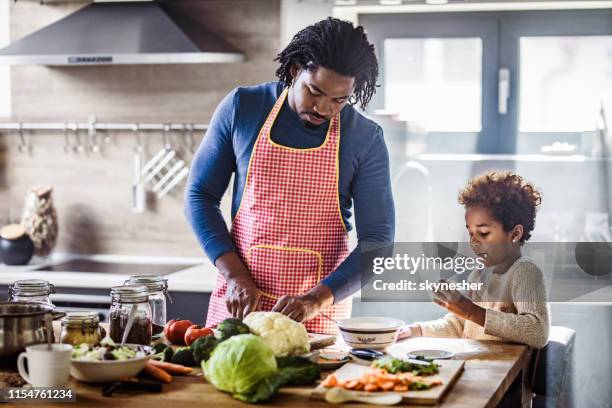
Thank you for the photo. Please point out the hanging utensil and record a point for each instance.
(173, 170)
(67, 147)
(23, 147)
(78, 146)
(177, 179)
(191, 142)
(91, 132)
(161, 158)
(139, 198)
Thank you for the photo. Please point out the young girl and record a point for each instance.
(500, 210)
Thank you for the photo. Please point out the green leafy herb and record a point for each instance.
(395, 365)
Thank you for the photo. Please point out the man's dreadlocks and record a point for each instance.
(336, 45)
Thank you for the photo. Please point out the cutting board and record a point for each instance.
(318, 341)
(450, 371)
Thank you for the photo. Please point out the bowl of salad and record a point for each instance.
(108, 361)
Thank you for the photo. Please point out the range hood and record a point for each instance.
(135, 32)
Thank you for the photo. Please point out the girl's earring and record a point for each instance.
(514, 240)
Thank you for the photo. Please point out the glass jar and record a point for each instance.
(130, 310)
(31, 290)
(81, 327)
(157, 288)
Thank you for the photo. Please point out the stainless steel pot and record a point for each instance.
(22, 324)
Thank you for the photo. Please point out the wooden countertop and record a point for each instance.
(490, 370)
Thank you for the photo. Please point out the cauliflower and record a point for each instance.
(284, 336)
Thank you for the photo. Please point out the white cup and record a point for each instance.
(46, 368)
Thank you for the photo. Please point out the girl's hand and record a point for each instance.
(455, 302)
(411, 330)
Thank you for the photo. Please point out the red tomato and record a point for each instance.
(195, 332)
(175, 330)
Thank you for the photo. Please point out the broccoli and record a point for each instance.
(202, 347)
(159, 347)
(232, 327)
(163, 352)
(168, 353)
(183, 356)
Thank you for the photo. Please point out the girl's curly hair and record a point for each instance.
(511, 199)
(339, 46)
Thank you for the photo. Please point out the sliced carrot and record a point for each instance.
(171, 368)
(370, 387)
(351, 385)
(359, 386)
(406, 376)
(386, 385)
(330, 381)
(391, 377)
(400, 388)
(157, 373)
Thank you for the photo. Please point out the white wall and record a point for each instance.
(5, 85)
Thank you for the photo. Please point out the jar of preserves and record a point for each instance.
(81, 327)
(130, 311)
(157, 288)
(31, 290)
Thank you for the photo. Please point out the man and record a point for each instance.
(301, 155)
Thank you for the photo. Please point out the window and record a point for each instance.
(435, 83)
(5, 84)
(563, 82)
(496, 82)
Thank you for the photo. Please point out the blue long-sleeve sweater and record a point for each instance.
(364, 179)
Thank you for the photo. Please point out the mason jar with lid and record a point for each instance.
(31, 290)
(158, 292)
(130, 310)
(81, 327)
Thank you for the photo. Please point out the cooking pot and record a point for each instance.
(22, 324)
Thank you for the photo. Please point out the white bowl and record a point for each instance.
(370, 332)
(108, 371)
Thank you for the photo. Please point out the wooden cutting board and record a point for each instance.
(450, 371)
(318, 341)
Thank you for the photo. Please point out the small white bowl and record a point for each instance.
(370, 332)
(109, 370)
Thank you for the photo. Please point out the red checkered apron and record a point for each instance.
(289, 230)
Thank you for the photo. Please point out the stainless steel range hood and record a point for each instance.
(136, 32)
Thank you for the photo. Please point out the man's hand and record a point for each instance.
(455, 302)
(242, 294)
(305, 307)
(242, 297)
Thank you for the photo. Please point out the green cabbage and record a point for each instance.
(238, 364)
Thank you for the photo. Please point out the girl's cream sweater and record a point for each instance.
(516, 308)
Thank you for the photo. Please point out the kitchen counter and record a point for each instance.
(198, 278)
(493, 370)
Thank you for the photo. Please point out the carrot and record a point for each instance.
(391, 377)
(400, 388)
(330, 381)
(351, 385)
(171, 368)
(370, 387)
(157, 373)
(386, 385)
